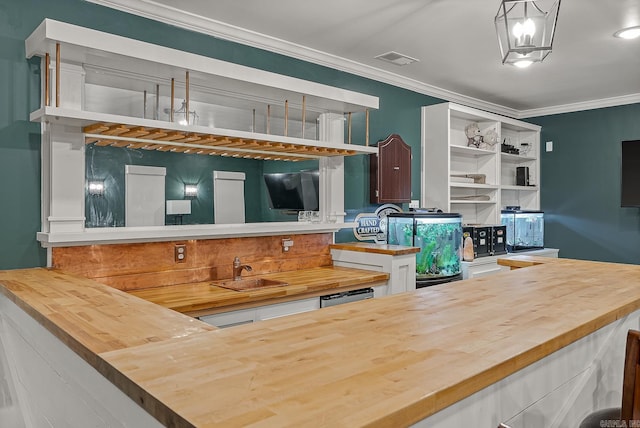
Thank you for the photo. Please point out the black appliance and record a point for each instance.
(499, 239)
(488, 240)
(481, 237)
(346, 297)
(522, 176)
(630, 174)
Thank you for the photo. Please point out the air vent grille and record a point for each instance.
(396, 58)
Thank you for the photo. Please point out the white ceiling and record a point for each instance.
(454, 40)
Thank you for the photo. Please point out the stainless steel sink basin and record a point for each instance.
(249, 284)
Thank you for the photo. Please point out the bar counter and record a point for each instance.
(390, 361)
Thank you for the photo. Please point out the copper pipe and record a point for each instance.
(304, 113)
(349, 127)
(186, 114)
(268, 118)
(173, 94)
(253, 121)
(57, 74)
(47, 78)
(366, 137)
(286, 117)
(156, 114)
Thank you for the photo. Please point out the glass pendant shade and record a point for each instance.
(525, 30)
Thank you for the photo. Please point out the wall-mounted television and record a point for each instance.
(630, 174)
(293, 191)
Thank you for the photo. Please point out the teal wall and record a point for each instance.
(20, 140)
(580, 191)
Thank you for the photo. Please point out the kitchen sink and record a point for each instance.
(249, 284)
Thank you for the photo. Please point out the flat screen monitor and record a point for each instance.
(630, 174)
(293, 191)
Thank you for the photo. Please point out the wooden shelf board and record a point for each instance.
(104, 129)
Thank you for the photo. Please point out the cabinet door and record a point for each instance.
(287, 308)
(230, 319)
(390, 171)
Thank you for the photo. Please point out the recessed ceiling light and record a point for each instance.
(396, 58)
(628, 33)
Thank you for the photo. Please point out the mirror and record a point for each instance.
(105, 184)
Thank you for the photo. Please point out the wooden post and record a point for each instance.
(286, 117)
(349, 128)
(253, 121)
(47, 78)
(57, 74)
(156, 114)
(304, 113)
(268, 118)
(173, 91)
(186, 114)
(366, 136)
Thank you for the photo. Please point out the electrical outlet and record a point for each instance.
(286, 243)
(414, 203)
(180, 253)
(549, 146)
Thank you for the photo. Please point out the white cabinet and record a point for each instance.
(477, 181)
(260, 313)
(485, 266)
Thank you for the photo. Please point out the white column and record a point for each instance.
(331, 128)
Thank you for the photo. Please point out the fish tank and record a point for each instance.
(439, 237)
(525, 229)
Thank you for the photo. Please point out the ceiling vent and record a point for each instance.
(396, 58)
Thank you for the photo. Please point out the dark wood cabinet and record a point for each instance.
(390, 171)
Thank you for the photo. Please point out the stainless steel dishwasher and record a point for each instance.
(346, 297)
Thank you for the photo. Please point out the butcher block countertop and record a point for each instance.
(368, 247)
(201, 298)
(384, 362)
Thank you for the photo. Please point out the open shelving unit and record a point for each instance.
(107, 90)
(446, 156)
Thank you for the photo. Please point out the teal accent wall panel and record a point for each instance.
(20, 140)
(580, 184)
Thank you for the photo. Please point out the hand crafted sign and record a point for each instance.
(373, 226)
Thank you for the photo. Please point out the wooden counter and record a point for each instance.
(368, 247)
(390, 361)
(202, 298)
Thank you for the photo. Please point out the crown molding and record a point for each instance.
(584, 105)
(179, 18)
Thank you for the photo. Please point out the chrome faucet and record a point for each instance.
(237, 269)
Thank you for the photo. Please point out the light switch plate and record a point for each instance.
(549, 146)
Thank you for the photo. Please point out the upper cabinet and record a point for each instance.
(126, 92)
(390, 171)
(476, 163)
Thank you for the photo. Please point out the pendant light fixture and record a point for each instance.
(525, 30)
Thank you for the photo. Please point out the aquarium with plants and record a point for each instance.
(439, 237)
(525, 229)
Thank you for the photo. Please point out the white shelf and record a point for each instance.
(471, 151)
(474, 186)
(120, 235)
(158, 63)
(458, 201)
(520, 188)
(509, 157)
(237, 143)
(445, 153)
